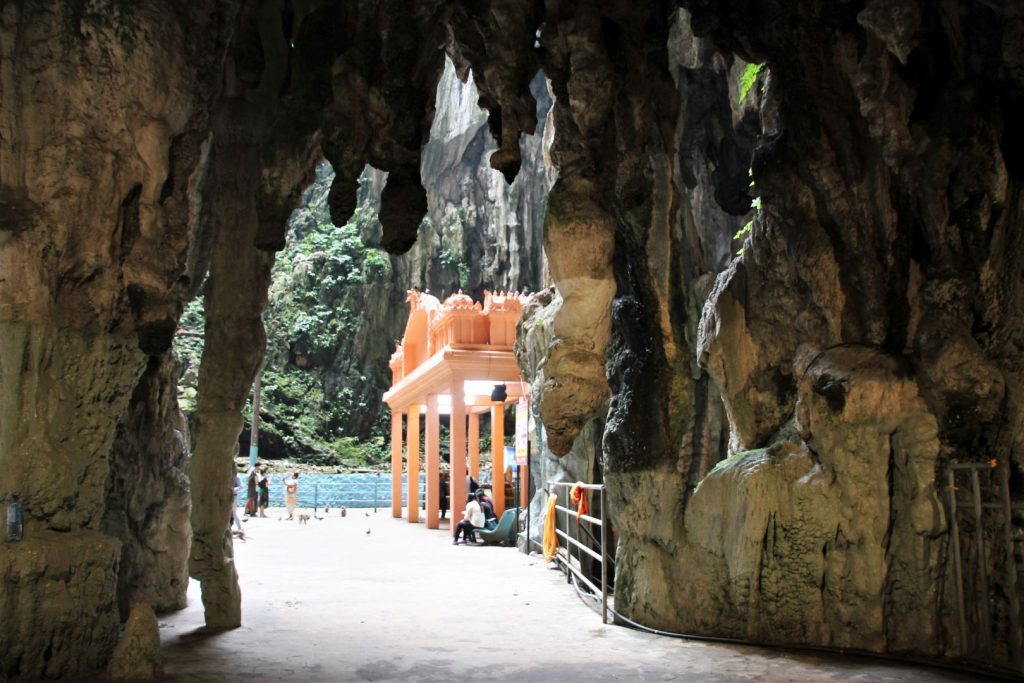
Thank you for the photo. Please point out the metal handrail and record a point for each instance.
(341, 493)
(564, 556)
(570, 539)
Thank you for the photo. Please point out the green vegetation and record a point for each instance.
(748, 78)
(327, 354)
(454, 261)
(748, 227)
(321, 392)
(335, 308)
(188, 349)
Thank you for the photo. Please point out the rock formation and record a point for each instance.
(333, 308)
(137, 655)
(583, 462)
(147, 499)
(870, 311)
(868, 336)
(103, 118)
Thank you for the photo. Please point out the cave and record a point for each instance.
(785, 240)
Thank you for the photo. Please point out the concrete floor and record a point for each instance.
(371, 598)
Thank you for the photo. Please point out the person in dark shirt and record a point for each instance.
(490, 519)
(445, 482)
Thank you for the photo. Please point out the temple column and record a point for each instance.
(498, 456)
(413, 466)
(524, 486)
(524, 470)
(396, 463)
(433, 430)
(474, 445)
(457, 450)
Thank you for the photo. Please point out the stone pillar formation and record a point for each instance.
(235, 299)
(102, 122)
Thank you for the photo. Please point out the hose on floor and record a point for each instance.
(1000, 674)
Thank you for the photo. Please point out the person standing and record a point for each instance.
(234, 503)
(444, 483)
(291, 494)
(252, 499)
(264, 486)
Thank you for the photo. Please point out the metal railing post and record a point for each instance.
(1011, 566)
(568, 545)
(958, 578)
(604, 559)
(979, 530)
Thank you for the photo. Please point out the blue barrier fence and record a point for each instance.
(357, 490)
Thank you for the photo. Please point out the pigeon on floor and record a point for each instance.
(367, 532)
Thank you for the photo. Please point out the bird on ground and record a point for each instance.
(367, 532)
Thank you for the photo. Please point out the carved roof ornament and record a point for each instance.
(503, 302)
(460, 301)
(458, 322)
(423, 301)
(399, 353)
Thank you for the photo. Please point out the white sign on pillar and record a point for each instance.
(522, 432)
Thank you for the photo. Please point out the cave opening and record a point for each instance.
(336, 299)
(849, 381)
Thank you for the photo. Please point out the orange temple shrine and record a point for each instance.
(450, 359)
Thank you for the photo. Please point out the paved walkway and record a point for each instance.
(371, 598)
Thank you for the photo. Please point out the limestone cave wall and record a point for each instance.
(868, 336)
(103, 112)
(147, 499)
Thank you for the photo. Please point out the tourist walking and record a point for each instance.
(291, 494)
(264, 485)
(252, 499)
(234, 503)
(472, 519)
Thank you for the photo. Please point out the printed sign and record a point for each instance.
(522, 432)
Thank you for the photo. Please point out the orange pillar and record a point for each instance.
(457, 450)
(498, 456)
(396, 463)
(474, 445)
(524, 470)
(524, 486)
(413, 466)
(433, 430)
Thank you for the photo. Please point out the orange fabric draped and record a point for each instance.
(578, 494)
(550, 537)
